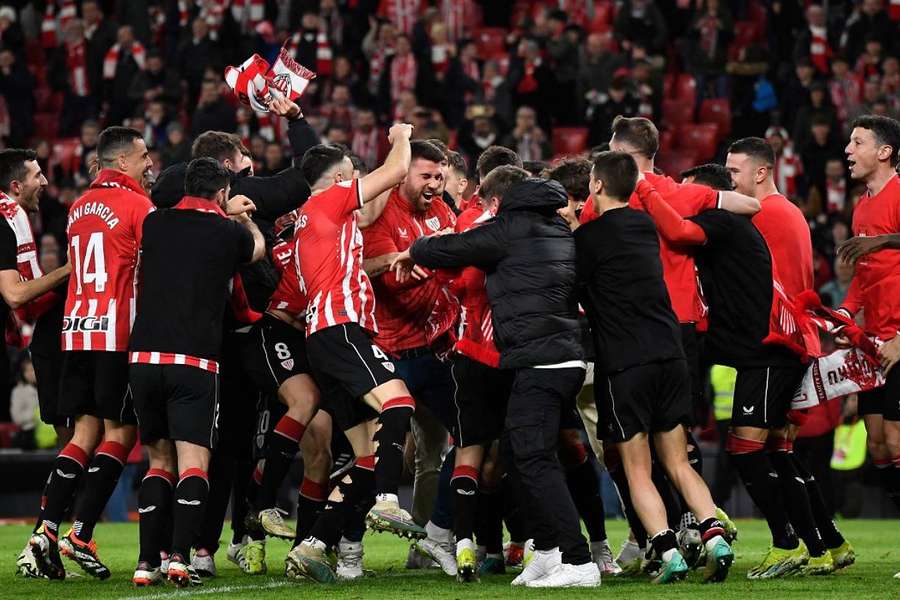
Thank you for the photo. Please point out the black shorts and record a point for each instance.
(48, 372)
(347, 365)
(96, 383)
(274, 352)
(762, 396)
(176, 402)
(479, 399)
(884, 401)
(643, 399)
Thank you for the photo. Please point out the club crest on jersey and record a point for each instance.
(389, 366)
(433, 223)
(288, 364)
(85, 324)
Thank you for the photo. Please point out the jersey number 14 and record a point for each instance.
(91, 266)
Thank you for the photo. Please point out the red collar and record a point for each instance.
(113, 178)
(200, 204)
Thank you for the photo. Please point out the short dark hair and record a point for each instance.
(426, 151)
(638, 132)
(457, 162)
(114, 140)
(575, 176)
(359, 165)
(756, 148)
(493, 157)
(535, 167)
(618, 172)
(217, 145)
(319, 159)
(204, 177)
(499, 181)
(885, 130)
(12, 166)
(712, 175)
(440, 145)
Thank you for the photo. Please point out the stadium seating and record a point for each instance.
(676, 112)
(718, 111)
(702, 138)
(569, 140)
(685, 88)
(674, 162)
(46, 125)
(491, 42)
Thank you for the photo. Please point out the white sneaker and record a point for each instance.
(204, 563)
(26, 563)
(568, 575)
(442, 553)
(349, 560)
(603, 558)
(541, 564)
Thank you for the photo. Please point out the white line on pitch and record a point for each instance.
(225, 589)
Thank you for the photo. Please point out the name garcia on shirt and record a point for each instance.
(98, 209)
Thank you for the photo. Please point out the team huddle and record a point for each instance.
(551, 321)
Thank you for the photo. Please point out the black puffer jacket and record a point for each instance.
(528, 255)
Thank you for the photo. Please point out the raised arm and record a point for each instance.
(17, 293)
(738, 203)
(669, 223)
(395, 166)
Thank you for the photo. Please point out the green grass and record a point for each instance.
(877, 544)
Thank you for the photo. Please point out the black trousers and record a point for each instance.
(530, 443)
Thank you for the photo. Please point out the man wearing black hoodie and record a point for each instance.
(528, 255)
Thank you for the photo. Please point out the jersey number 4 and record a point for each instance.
(89, 267)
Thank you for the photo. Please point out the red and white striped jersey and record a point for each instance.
(328, 259)
(104, 230)
(287, 296)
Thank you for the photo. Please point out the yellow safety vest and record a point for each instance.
(849, 447)
(722, 379)
(44, 435)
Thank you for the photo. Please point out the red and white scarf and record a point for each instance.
(820, 52)
(403, 75)
(255, 83)
(76, 62)
(249, 13)
(402, 13)
(324, 55)
(111, 60)
(835, 195)
(51, 25)
(459, 16)
(365, 146)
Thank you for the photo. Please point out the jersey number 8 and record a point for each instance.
(93, 253)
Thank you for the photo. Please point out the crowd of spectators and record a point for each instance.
(545, 78)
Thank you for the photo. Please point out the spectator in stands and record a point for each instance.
(871, 95)
(868, 19)
(125, 59)
(796, 92)
(23, 406)
(16, 87)
(817, 41)
(194, 55)
(834, 292)
(869, 62)
(752, 94)
(527, 139)
(274, 160)
(477, 132)
(603, 107)
(177, 148)
(532, 81)
(213, 112)
(378, 47)
(844, 87)
(156, 82)
(819, 106)
(640, 21)
(462, 84)
(11, 37)
(820, 147)
(369, 141)
(496, 92)
(596, 66)
(100, 35)
(711, 31)
(340, 109)
(562, 46)
(428, 124)
(344, 74)
(157, 118)
(70, 73)
(400, 75)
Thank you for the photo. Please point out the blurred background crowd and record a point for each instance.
(545, 78)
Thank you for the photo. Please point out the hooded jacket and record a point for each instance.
(528, 255)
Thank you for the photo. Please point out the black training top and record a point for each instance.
(188, 258)
(621, 287)
(736, 274)
(9, 248)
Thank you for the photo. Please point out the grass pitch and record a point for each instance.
(877, 545)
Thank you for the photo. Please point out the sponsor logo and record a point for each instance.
(85, 324)
(288, 364)
(65, 475)
(144, 511)
(466, 492)
(402, 232)
(748, 410)
(189, 502)
(93, 469)
(433, 223)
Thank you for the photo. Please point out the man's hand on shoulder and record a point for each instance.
(238, 205)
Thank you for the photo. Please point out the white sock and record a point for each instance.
(438, 534)
(387, 498)
(463, 544)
